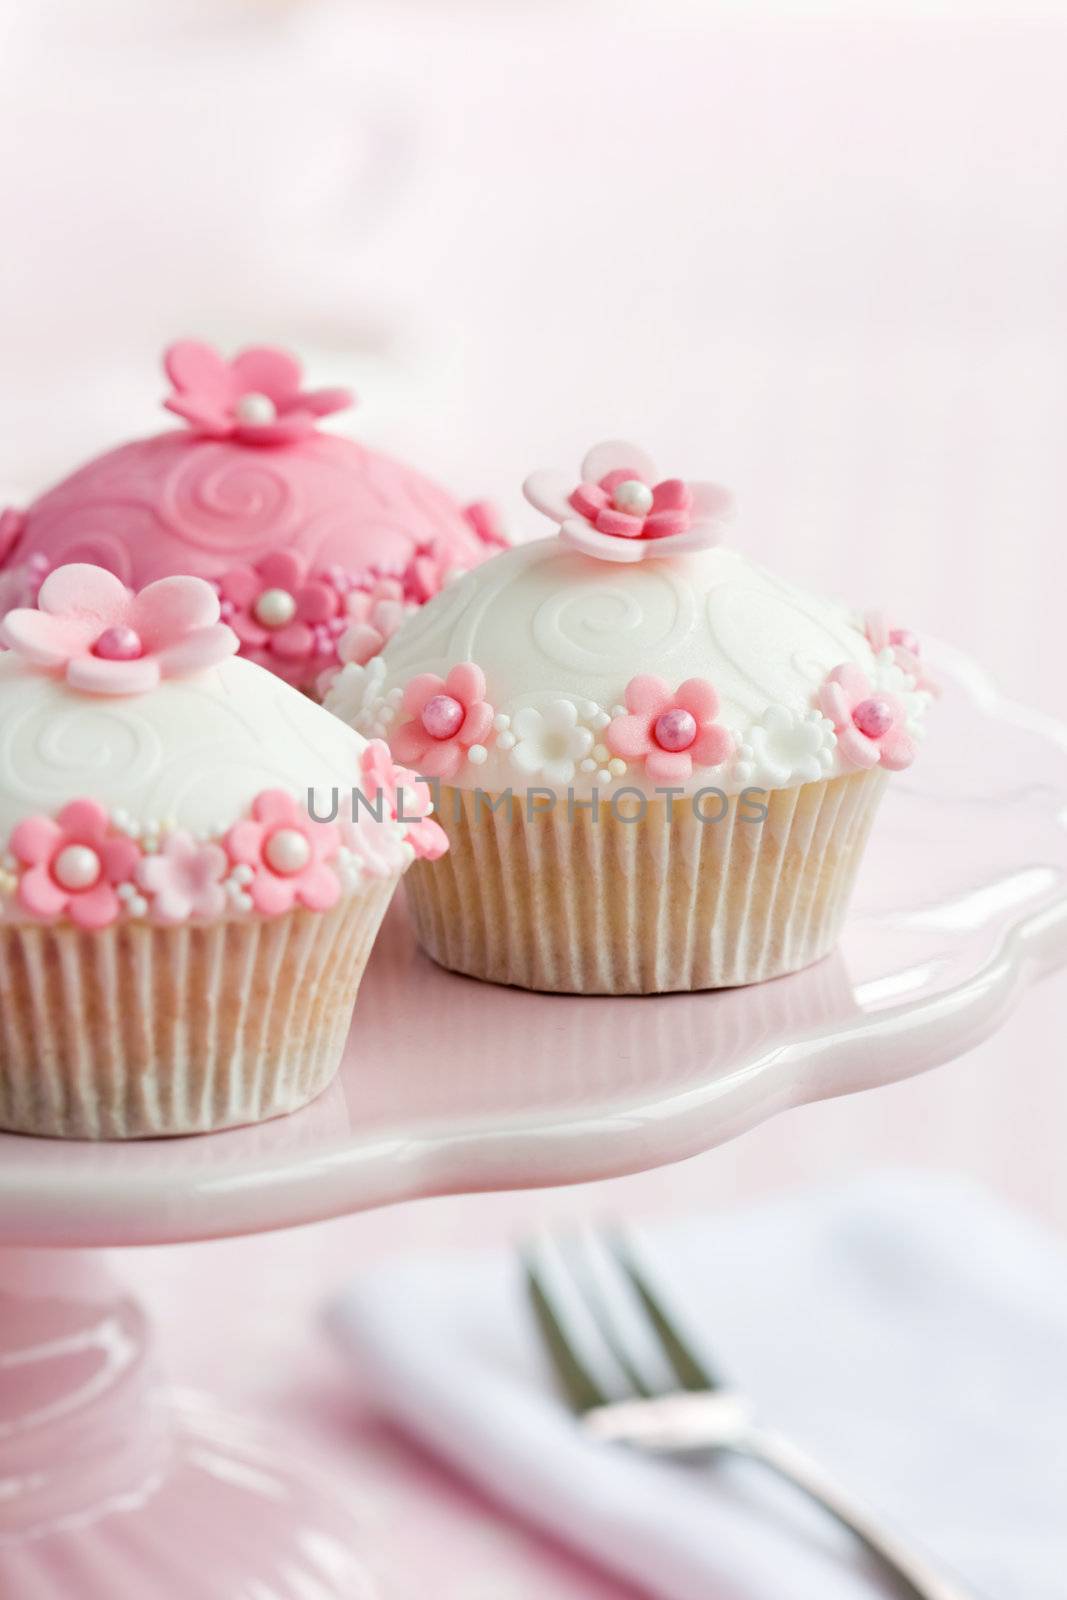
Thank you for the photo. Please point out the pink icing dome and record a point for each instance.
(351, 521)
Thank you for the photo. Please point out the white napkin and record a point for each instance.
(908, 1331)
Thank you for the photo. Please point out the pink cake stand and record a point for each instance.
(111, 1488)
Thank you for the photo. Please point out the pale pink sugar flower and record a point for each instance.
(871, 726)
(904, 648)
(374, 615)
(185, 878)
(449, 720)
(622, 511)
(107, 640)
(405, 799)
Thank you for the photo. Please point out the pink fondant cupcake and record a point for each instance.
(185, 912)
(317, 546)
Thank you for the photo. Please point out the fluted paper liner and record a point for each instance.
(138, 1030)
(570, 904)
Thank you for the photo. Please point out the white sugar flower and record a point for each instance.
(786, 747)
(357, 695)
(550, 742)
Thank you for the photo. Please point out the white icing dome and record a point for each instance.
(560, 636)
(193, 752)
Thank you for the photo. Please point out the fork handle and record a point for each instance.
(918, 1579)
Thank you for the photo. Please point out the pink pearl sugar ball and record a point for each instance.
(873, 717)
(675, 730)
(442, 716)
(119, 644)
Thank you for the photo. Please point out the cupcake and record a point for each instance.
(656, 763)
(188, 894)
(317, 546)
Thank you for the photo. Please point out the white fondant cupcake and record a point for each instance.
(657, 763)
(181, 937)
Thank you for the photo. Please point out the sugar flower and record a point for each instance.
(107, 640)
(871, 726)
(256, 398)
(449, 720)
(185, 878)
(288, 854)
(74, 864)
(901, 647)
(622, 511)
(671, 731)
(277, 609)
(406, 799)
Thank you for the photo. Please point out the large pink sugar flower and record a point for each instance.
(73, 865)
(109, 641)
(404, 793)
(374, 615)
(671, 731)
(289, 854)
(256, 398)
(450, 719)
(904, 648)
(277, 609)
(871, 727)
(621, 511)
(184, 878)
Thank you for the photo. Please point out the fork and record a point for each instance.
(684, 1409)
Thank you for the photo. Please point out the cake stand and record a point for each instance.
(111, 1488)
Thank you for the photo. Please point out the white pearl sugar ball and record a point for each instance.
(275, 608)
(76, 867)
(287, 851)
(633, 497)
(256, 408)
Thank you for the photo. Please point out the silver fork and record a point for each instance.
(683, 1409)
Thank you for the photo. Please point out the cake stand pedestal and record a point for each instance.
(111, 1486)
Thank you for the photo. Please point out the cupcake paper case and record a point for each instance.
(317, 546)
(657, 763)
(181, 937)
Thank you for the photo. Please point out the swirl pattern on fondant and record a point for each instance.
(548, 626)
(175, 503)
(196, 750)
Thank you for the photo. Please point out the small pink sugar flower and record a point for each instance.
(109, 641)
(670, 731)
(256, 398)
(432, 566)
(450, 719)
(904, 647)
(871, 727)
(289, 854)
(374, 615)
(184, 878)
(73, 865)
(620, 512)
(404, 792)
(276, 609)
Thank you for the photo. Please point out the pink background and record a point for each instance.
(820, 257)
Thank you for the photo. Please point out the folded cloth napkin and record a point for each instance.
(908, 1331)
